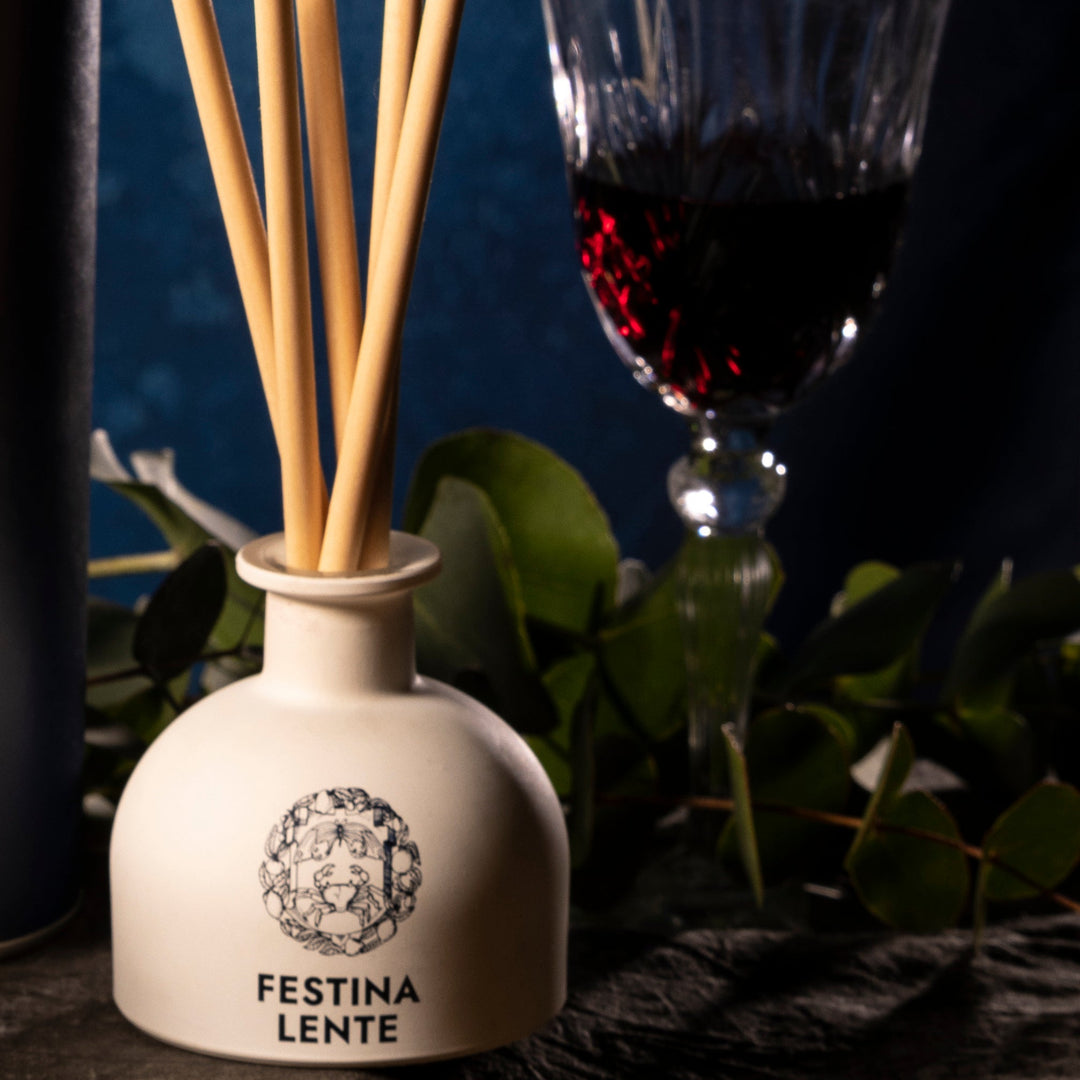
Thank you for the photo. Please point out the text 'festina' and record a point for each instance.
(372, 1025)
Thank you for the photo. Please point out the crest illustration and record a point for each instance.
(341, 872)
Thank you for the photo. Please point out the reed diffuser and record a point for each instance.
(335, 861)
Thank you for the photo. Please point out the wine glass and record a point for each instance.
(738, 171)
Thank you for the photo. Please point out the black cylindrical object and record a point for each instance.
(49, 79)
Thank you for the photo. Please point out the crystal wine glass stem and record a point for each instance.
(725, 584)
(724, 491)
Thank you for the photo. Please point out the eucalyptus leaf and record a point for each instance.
(559, 536)
(861, 582)
(149, 712)
(155, 470)
(641, 653)
(875, 632)
(241, 622)
(624, 766)
(894, 771)
(555, 758)
(530, 616)
(471, 618)
(624, 753)
(1038, 608)
(1039, 835)
(182, 534)
(569, 684)
(837, 723)
(173, 630)
(769, 665)
(743, 814)
(110, 635)
(912, 882)
(583, 786)
(568, 753)
(1005, 738)
(186, 523)
(110, 630)
(797, 757)
(994, 695)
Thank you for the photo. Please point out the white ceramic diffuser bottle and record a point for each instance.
(337, 861)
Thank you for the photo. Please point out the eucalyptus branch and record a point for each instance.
(253, 613)
(977, 854)
(616, 697)
(592, 643)
(242, 650)
(150, 562)
(846, 821)
(170, 697)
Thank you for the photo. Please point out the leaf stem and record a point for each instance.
(253, 613)
(846, 821)
(170, 697)
(149, 562)
(136, 670)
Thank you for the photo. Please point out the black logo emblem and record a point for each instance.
(341, 872)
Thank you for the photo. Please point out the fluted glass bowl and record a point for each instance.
(739, 173)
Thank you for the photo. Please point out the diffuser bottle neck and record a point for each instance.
(340, 649)
(334, 635)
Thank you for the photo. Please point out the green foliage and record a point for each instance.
(1003, 631)
(584, 656)
(176, 624)
(111, 671)
(861, 582)
(1038, 837)
(742, 814)
(239, 618)
(905, 878)
(144, 666)
(799, 757)
(558, 535)
(471, 619)
(873, 633)
(639, 650)
(894, 771)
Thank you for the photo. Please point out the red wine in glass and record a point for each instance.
(734, 308)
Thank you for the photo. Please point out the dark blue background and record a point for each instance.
(955, 433)
(499, 331)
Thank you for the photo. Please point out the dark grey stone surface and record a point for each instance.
(723, 1005)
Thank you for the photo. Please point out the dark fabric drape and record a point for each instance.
(702, 1005)
(49, 61)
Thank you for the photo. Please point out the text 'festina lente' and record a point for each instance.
(375, 997)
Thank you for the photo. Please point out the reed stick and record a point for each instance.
(401, 25)
(389, 287)
(301, 472)
(233, 179)
(375, 547)
(331, 185)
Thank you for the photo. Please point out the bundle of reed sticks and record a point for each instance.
(348, 527)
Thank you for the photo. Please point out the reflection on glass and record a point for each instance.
(738, 173)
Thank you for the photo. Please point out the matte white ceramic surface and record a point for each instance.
(337, 861)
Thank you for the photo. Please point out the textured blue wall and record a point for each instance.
(499, 330)
(953, 434)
